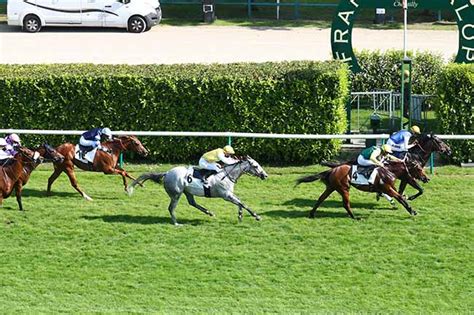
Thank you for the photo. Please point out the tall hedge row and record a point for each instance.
(455, 108)
(381, 71)
(294, 97)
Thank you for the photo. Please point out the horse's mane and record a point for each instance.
(385, 175)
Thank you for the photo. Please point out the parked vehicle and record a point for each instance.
(136, 16)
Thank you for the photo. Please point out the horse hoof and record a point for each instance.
(87, 198)
(414, 213)
(258, 218)
(211, 214)
(177, 224)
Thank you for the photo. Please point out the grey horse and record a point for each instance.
(180, 180)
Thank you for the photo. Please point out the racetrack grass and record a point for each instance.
(121, 254)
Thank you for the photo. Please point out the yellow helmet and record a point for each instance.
(387, 148)
(229, 150)
(415, 129)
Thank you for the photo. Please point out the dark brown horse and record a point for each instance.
(427, 144)
(11, 174)
(105, 162)
(338, 179)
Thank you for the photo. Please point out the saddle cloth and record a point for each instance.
(195, 177)
(87, 158)
(358, 176)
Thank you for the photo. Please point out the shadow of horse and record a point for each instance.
(140, 219)
(29, 192)
(309, 203)
(285, 214)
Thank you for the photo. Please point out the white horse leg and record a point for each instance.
(171, 207)
(193, 203)
(236, 201)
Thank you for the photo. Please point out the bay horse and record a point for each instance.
(11, 174)
(338, 179)
(179, 180)
(103, 161)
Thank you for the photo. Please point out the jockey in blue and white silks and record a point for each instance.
(400, 141)
(92, 138)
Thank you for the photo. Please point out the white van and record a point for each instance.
(135, 15)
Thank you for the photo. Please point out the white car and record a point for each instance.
(136, 16)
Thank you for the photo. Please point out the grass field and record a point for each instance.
(121, 254)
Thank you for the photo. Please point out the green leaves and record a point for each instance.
(455, 107)
(288, 97)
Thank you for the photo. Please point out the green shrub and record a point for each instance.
(455, 107)
(381, 71)
(295, 97)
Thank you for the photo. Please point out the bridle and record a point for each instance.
(227, 174)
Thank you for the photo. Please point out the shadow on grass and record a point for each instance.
(28, 192)
(309, 203)
(140, 219)
(304, 214)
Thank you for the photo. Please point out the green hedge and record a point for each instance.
(381, 71)
(296, 97)
(455, 107)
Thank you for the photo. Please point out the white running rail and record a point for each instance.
(225, 134)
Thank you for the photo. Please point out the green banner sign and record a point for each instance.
(341, 31)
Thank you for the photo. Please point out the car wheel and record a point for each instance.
(31, 24)
(136, 24)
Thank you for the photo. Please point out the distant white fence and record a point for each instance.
(226, 134)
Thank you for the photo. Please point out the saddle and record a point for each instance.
(201, 173)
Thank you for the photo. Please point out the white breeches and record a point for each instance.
(89, 143)
(203, 163)
(364, 162)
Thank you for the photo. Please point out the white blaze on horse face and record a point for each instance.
(36, 155)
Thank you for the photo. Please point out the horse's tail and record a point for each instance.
(156, 177)
(311, 178)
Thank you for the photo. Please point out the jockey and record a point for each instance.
(13, 141)
(4, 154)
(399, 141)
(209, 159)
(374, 156)
(91, 139)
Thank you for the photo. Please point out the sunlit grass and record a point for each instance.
(121, 254)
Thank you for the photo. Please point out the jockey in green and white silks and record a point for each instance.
(400, 141)
(374, 156)
(209, 159)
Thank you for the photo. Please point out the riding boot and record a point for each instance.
(204, 180)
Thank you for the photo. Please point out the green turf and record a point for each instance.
(121, 254)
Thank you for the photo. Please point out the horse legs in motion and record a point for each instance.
(337, 179)
(236, 201)
(58, 169)
(177, 181)
(193, 203)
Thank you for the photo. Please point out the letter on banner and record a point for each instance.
(345, 16)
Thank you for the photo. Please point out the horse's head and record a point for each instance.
(131, 143)
(29, 156)
(416, 170)
(254, 168)
(431, 143)
(51, 154)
